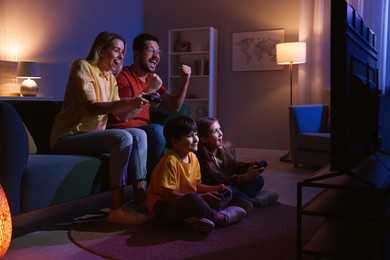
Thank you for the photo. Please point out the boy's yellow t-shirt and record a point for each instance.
(172, 173)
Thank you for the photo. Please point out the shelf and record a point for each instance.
(356, 210)
(346, 239)
(196, 47)
(358, 204)
(197, 100)
(192, 76)
(190, 53)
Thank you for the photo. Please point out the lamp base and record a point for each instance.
(29, 88)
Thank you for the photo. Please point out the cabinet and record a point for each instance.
(198, 48)
(355, 210)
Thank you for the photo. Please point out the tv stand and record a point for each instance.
(339, 173)
(355, 210)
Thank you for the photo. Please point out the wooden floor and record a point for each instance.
(53, 242)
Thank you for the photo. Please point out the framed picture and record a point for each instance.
(256, 50)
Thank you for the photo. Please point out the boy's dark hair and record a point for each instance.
(139, 41)
(178, 126)
(204, 124)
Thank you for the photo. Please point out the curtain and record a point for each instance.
(314, 29)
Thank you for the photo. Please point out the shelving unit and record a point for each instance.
(196, 47)
(355, 209)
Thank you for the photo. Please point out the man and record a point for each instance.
(140, 78)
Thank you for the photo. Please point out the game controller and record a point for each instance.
(224, 194)
(152, 98)
(262, 164)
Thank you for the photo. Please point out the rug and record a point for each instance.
(266, 233)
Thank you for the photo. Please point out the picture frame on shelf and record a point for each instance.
(256, 51)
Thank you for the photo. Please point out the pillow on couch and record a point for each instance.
(32, 148)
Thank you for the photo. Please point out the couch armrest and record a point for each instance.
(13, 154)
(306, 119)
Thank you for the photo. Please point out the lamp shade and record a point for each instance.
(28, 69)
(291, 53)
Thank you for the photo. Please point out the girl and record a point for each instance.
(219, 165)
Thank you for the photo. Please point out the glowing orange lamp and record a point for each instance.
(5, 224)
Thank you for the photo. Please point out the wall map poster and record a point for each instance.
(256, 50)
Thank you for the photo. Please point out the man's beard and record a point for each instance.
(144, 67)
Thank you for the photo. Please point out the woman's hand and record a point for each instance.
(136, 102)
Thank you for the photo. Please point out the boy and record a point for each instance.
(176, 195)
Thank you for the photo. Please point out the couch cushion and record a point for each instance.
(32, 148)
(314, 141)
(64, 178)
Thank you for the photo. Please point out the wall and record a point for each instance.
(54, 33)
(252, 106)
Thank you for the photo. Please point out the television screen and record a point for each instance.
(354, 104)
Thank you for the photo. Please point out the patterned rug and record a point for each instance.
(266, 233)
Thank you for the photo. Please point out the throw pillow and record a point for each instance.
(32, 148)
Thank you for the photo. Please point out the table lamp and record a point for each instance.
(29, 71)
(290, 53)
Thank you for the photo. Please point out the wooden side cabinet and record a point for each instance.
(198, 48)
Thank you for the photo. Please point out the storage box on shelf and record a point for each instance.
(196, 47)
(355, 209)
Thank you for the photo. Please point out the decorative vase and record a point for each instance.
(5, 224)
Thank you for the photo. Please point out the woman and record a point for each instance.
(80, 128)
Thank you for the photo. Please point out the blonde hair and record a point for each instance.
(103, 40)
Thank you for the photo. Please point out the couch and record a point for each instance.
(35, 180)
(309, 135)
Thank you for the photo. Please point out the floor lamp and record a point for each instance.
(290, 53)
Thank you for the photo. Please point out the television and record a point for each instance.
(354, 93)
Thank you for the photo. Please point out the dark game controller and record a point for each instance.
(152, 98)
(224, 194)
(262, 164)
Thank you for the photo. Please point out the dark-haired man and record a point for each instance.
(140, 77)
